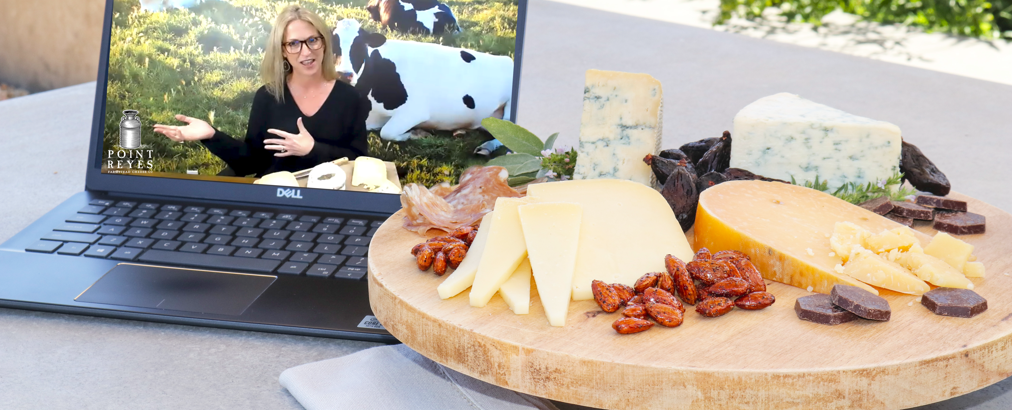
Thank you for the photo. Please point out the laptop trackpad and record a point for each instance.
(188, 290)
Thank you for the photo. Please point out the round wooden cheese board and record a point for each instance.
(745, 359)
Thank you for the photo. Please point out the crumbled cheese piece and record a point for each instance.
(810, 252)
(810, 288)
(838, 268)
(910, 303)
(832, 254)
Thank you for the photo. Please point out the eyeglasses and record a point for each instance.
(295, 46)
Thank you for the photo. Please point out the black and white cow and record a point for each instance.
(414, 16)
(422, 85)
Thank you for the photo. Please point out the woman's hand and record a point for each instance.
(290, 144)
(194, 130)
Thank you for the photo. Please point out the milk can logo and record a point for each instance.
(129, 157)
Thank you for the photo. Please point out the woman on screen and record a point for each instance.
(301, 117)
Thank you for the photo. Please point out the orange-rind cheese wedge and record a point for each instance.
(785, 229)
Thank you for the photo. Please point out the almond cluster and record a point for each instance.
(714, 283)
(444, 251)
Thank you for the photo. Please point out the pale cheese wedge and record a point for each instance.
(463, 276)
(933, 270)
(552, 233)
(951, 250)
(516, 291)
(626, 231)
(872, 269)
(504, 250)
(974, 270)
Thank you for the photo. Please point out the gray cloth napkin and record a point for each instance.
(396, 377)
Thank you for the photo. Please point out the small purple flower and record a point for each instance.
(567, 159)
(565, 177)
(882, 184)
(551, 174)
(546, 153)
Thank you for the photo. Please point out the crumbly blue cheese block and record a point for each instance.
(784, 136)
(621, 124)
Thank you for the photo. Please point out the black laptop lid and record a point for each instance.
(202, 59)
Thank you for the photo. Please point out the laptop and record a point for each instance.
(166, 232)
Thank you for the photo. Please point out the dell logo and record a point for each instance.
(289, 193)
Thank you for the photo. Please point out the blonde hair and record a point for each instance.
(272, 69)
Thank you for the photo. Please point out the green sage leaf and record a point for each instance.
(513, 136)
(516, 164)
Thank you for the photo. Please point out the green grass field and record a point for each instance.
(204, 62)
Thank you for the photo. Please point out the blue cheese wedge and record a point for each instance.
(784, 136)
(621, 124)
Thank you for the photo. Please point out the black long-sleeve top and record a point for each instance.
(338, 129)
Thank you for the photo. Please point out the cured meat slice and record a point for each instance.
(464, 205)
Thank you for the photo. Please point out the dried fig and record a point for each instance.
(708, 180)
(683, 198)
(696, 150)
(717, 158)
(921, 172)
(664, 167)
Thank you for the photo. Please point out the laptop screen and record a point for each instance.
(355, 95)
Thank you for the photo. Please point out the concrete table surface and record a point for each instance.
(55, 361)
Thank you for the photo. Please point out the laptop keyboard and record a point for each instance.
(325, 246)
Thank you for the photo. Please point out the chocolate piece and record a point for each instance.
(860, 302)
(881, 205)
(932, 201)
(911, 210)
(954, 302)
(902, 220)
(820, 309)
(960, 223)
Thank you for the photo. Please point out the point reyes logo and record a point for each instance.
(289, 193)
(129, 158)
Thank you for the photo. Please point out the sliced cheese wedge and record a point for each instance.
(933, 270)
(783, 228)
(626, 231)
(516, 291)
(504, 250)
(866, 266)
(463, 276)
(552, 233)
